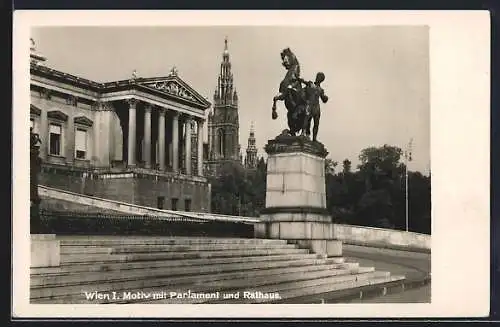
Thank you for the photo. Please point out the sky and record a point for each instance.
(377, 78)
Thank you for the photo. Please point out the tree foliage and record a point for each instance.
(239, 191)
(373, 195)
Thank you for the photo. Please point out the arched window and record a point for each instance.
(220, 134)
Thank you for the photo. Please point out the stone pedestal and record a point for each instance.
(45, 251)
(296, 196)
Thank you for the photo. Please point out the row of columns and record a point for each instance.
(132, 138)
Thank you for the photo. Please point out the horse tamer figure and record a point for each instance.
(314, 92)
(302, 104)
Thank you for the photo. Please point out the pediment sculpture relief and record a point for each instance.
(174, 89)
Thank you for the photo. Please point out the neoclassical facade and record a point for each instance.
(128, 140)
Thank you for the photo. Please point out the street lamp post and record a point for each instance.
(407, 155)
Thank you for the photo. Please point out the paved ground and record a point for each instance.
(415, 295)
(415, 266)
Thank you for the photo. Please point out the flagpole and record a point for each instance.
(406, 190)
(407, 159)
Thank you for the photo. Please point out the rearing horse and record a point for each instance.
(292, 93)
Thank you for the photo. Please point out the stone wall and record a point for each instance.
(51, 204)
(132, 188)
(379, 237)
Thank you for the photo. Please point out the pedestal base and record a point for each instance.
(314, 235)
(45, 251)
(327, 248)
(296, 196)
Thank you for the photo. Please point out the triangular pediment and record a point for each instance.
(175, 86)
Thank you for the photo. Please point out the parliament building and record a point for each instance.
(138, 140)
(126, 140)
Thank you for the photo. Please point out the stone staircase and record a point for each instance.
(134, 269)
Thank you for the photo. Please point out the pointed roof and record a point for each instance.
(171, 86)
(176, 87)
(226, 51)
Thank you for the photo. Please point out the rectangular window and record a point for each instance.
(55, 139)
(174, 204)
(81, 143)
(159, 202)
(187, 204)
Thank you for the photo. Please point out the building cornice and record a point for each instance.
(43, 76)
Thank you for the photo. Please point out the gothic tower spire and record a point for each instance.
(223, 122)
(251, 158)
(225, 93)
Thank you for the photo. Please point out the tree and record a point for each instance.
(384, 200)
(373, 195)
(346, 166)
(419, 202)
(259, 182)
(375, 209)
(239, 191)
(330, 166)
(380, 166)
(227, 189)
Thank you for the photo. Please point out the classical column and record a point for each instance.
(200, 147)
(44, 134)
(146, 154)
(161, 138)
(175, 142)
(68, 149)
(131, 131)
(187, 145)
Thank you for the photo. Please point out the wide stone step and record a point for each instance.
(168, 248)
(77, 258)
(312, 280)
(216, 284)
(320, 286)
(68, 250)
(209, 281)
(160, 240)
(182, 267)
(123, 266)
(323, 287)
(166, 271)
(200, 247)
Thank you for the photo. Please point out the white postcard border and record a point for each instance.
(460, 147)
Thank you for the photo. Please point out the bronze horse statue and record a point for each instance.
(301, 103)
(293, 95)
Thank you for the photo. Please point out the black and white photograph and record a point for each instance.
(231, 164)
